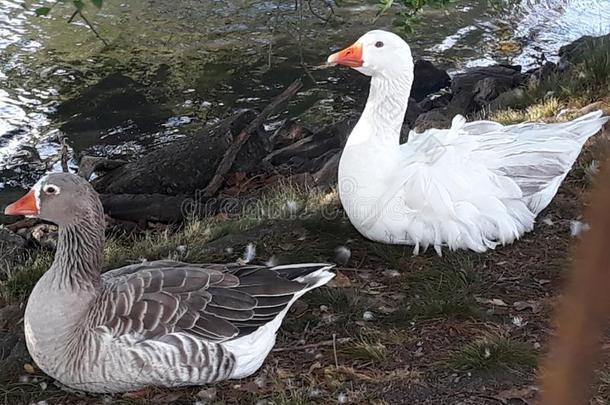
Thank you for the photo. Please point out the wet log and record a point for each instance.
(187, 164)
(229, 157)
(142, 208)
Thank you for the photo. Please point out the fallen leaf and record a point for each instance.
(341, 280)
(533, 305)
(494, 301)
(525, 394)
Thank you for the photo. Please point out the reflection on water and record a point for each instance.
(173, 66)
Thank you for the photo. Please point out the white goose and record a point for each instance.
(160, 323)
(473, 186)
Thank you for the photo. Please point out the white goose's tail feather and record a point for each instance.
(536, 156)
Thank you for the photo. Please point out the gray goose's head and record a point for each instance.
(62, 198)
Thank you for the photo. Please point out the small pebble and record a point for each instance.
(207, 394)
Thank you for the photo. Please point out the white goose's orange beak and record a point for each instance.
(350, 56)
(26, 205)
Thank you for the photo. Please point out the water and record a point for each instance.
(170, 67)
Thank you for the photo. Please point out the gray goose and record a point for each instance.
(158, 323)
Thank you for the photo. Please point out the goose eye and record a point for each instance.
(378, 44)
(51, 189)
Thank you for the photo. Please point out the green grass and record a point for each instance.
(444, 289)
(338, 300)
(493, 352)
(21, 278)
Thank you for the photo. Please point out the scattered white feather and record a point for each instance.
(292, 207)
(518, 321)
(273, 261)
(592, 169)
(548, 221)
(315, 393)
(391, 273)
(342, 255)
(181, 249)
(342, 398)
(487, 353)
(249, 253)
(577, 227)
(368, 316)
(229, 250)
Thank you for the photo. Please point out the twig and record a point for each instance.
(229, 157)
(72, 16)
(91, 27)
(64, 155)
(315, 13)
(314, 345)
(335, 350)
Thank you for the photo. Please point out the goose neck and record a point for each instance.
(80, 254)
(385, 109)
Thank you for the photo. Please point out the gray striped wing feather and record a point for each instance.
(211, 302)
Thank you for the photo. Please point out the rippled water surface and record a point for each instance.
(171, 66)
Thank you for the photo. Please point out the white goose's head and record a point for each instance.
(378, 54)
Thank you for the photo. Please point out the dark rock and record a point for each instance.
(488, 89)
(433, 119)
(434, 101)
(13, 355)
(576, 52)
(463, 85)
(509, 99)
(11, 245)
(413, 111)
(539, 75)
(428, 79)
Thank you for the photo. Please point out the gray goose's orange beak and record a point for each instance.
(350, 56)
(26, 205)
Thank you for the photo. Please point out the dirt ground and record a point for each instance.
(393, 328)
